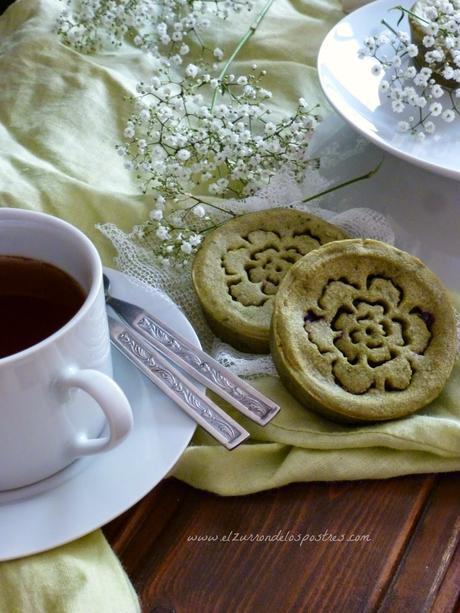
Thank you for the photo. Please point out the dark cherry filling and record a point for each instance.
(426, 316)
(311, 317)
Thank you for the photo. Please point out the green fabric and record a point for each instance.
(302, 446)
(81, 577)
(61, 114)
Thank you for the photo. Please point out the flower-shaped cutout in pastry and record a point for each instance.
(262, 262)
(238, 269)
(379, 334)
(375, 340)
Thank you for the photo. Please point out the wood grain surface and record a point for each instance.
(396, 548)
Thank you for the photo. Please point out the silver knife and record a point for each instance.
(175, 385)
(196, 362)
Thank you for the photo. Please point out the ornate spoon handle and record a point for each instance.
(188, 397)
(197, 363)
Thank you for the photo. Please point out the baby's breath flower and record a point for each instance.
(218, 53)
(186, 248)
(183, 155)
(195, 240)
(437, 91)
(129, 131)
(448, 115)
(191, 130)
(428, 41)
(162, 232)
(191, 71)
(148, 24)
(403, 37)
(226, 148)
(144, 115)
(435, 108)
(156, 214)
(412, 88)
(265, 93)
(199, 211)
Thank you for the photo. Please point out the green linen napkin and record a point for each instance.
(61, 115)
(81, 577)
(302, 446)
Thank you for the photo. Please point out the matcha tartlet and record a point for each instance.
(239, 266)
(362, 331)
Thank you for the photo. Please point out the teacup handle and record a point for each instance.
(113, 403)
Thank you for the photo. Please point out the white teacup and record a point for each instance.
(57, 396)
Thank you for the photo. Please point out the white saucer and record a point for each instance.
(94, 491)
(353, 91)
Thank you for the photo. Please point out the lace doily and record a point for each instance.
(135, 259)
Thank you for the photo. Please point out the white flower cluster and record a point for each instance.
(194, 128)
(176, 236)
(166, 28)
(422, 81)
(177, 142)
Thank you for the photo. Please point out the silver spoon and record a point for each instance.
(194, 361)
(175, 385)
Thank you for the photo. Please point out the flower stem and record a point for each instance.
(387, 25)
(252, 28)
(408, 12)
(214, 206)
(368, 175)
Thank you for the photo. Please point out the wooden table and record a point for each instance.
(404, 556)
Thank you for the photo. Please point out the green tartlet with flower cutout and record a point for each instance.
(238, 268)
(362, 331)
